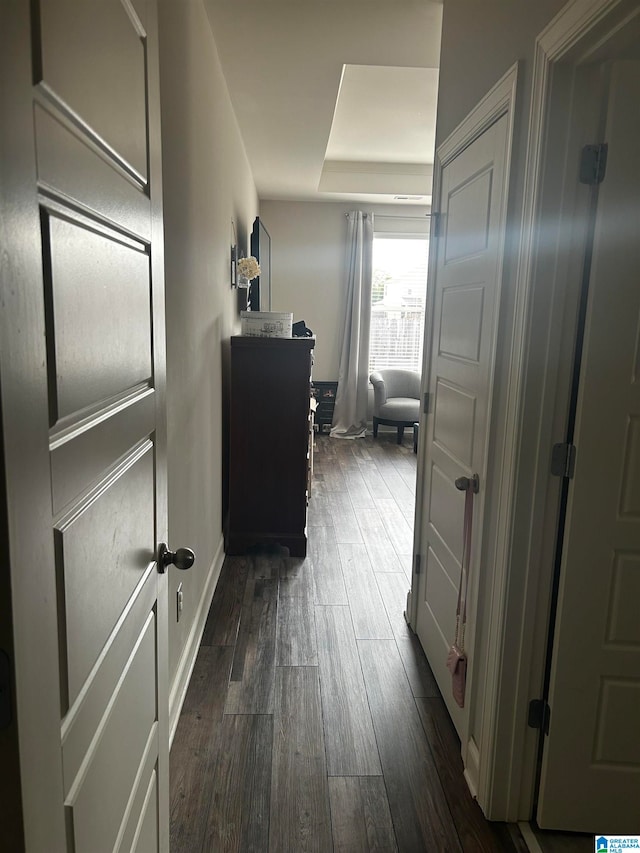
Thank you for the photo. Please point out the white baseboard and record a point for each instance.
(529, 838)
(180, 684)
(472, 767)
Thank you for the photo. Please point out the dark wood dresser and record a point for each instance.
(270, 443)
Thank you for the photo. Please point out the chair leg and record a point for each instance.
(400, 434)
(375, 427)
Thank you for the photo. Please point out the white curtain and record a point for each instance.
(350, 411)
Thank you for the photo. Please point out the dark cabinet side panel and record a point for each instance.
(269, 443)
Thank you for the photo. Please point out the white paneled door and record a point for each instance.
(463, 342)
(591, 767)
(83, 424)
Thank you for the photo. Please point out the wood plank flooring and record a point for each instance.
(562, 842)
(312, 721)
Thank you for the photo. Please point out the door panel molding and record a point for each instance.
(126, 735)
(108, 98)
(76, 172)
(498, 101)
(82, 719)
(98, 446)
(87, 132)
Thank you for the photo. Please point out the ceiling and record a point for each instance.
(335, 98)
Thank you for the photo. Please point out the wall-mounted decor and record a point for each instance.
(260, 290)
(234, 255)
(234, 270)
(248, 269)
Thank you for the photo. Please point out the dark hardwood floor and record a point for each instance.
(562, 842)
(312, 721)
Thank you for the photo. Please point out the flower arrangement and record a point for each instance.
(249, 267)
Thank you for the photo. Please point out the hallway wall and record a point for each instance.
(207, 184)
(479, 44)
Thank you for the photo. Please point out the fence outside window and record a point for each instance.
(398, 301)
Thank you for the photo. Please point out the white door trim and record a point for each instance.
(498, 102)
(507, 786)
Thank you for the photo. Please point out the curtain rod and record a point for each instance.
(395, 215)
(400, 216)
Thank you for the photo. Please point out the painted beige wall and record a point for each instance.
(480, 42)
(308, 246)
(207, 183)
(307, 260)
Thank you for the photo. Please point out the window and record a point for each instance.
(398, 301)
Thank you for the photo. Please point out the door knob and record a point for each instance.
(463, 484)
(183, 558)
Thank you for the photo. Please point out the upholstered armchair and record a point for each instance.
(396, 399)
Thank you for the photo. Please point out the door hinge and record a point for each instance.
(437, 221)
(416, 563)
(593, 164)
(539, 715)
(563, 460)
(425, 403)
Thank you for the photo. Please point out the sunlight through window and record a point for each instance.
(398, 299)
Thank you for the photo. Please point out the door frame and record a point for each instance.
(547, 284)
(498, 102)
